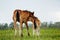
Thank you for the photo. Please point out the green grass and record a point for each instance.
(45, 34)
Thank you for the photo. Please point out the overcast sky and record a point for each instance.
(45, 10)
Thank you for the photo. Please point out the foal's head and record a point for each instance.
(31, 14)
(36, 23)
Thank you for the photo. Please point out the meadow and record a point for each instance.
(45, 34)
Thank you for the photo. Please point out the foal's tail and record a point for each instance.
(35, 26)
(17, 16)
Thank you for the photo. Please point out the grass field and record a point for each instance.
(45, 34)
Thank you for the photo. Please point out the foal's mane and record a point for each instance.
(27, 11)
(34, 17)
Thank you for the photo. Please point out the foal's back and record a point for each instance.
(22, 14)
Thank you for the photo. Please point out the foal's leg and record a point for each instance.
(33, 30)
(27, 29)
(38, 29)
(20, 29)
(15, 28)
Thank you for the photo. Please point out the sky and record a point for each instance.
(45, 10)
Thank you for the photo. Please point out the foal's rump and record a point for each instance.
(17, 16)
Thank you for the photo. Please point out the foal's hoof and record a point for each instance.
(28, 34)
(21, 35)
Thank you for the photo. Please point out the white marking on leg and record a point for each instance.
(19, 32)
(15, 32)
(33, 32)
(37, 32)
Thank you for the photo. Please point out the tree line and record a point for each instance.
(6, 26)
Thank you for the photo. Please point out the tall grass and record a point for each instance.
(45, 34)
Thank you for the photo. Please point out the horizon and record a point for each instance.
(45, 10)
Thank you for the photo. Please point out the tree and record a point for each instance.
(5, 26)
(57, 24)
(44, 24)
(11, 25)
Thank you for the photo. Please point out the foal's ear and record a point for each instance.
(33, 13)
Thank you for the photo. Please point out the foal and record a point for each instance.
(21, 16)
(36, 24)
